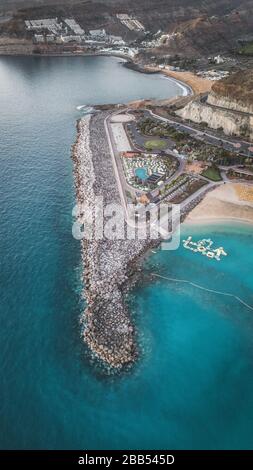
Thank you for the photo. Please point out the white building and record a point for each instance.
(74, 26)
(98, 33)
(50, 38)
(116, 40)
(39, 38)
(131, 23)
(218, 60)
(50, 24)
(71, 38)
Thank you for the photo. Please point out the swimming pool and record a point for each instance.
(141, 173)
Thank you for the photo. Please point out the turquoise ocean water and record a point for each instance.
(193, 385)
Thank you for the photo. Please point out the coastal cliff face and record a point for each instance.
(229, 106)
(107, 263)
(226, 102)
(231, 123)
(235, 91)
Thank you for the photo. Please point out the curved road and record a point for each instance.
(206, 137)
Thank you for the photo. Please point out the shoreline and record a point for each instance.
(192, 82)
(218, 221)
(110, 267)
(129, 63)
(108, 329)
(224, 206)
(187, 89)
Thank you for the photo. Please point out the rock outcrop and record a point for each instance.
(235, 92)
(232, 123)
(229, 106)
(229, 103)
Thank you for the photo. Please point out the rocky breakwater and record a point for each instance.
(108, 330)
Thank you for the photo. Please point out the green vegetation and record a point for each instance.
(153, 128)
(212, 173)
(246, 49)
(181, 179)
(226, 158)
(155, 144)
(188, 145)
(171, 163)
(187, 186)
(129, 195)
(193, 186)
(236, 174)
(175, 184)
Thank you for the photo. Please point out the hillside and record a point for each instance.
(229, 106)
(199, 28)
(237, 88)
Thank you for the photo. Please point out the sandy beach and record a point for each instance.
(197, 84)
(227, 203)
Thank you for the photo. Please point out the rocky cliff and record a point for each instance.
(232, 123)
(234, 92)
(228, 106)
(228, 103)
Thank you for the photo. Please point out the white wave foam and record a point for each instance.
(85, 109)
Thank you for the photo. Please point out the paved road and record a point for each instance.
(242, 171)
(120, 177)
(206, 137)
(116, 167)
(191, 200)
(138, 140)
(198, 193)
(203, 99)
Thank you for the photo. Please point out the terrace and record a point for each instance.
(51, 25)
(131, 23)
(54, 30)
(74, 26)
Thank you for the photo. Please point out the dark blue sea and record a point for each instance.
(192, 387)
